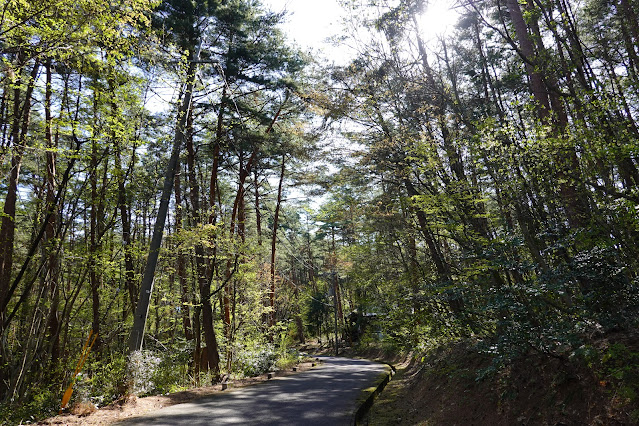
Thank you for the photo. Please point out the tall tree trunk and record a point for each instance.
(274, 241)
(336, 291)
(546, 94)
(181, 261)
(146, 286)
(219, 130)
(299, 324)
(527, 51)
(94, 216)
(258, 214)
(125, 211)
(49, 238)
(200, 258)
(21, 115)
(630, 25)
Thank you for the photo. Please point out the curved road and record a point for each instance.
(324, 395)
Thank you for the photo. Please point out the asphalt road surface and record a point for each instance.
(324, 395)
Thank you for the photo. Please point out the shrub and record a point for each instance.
(171, 374)
(253, 362)
(107, 383)
(142, 367)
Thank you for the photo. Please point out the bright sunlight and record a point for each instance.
(438, 19)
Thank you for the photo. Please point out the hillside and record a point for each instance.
(454, 385)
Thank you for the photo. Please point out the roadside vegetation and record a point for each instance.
(187, 187)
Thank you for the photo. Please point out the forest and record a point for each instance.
(190, 195)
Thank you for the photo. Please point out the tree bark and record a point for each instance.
(272, 316)
(94, 276)
(258, 214)
(181, 261)
(546, 94)
(136, 336)
(21, 116)
(200, 258)
(527, 50)
(49, 238)
(125, 211)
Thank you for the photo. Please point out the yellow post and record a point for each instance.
(83, 358)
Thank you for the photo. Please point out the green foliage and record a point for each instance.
(106, 380)
(620, 366)
(172, 373)
(260, 360)
(367, 340)
(317, 310)
(288, 359)
(608, 293)
(43, 403)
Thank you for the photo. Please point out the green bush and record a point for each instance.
(107, 380)
(171, 374)
(253, 362)
(287, 359)
(42, 403)
(620, 366)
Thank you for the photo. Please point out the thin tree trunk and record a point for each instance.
(258, 214)
(49, 238)
(94, 275)
(298, 315)
(200, 259)
(442, 269)
(216, 157)
(21, 115)
(181, 261)
(125, 212)
(274, 241)
(336, 292)
(146, 287)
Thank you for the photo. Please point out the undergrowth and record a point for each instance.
(159, 370)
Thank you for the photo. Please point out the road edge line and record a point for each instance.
(371, 393)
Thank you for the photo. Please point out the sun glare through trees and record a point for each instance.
(214, 192)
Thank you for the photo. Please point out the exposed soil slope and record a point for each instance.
(443, 388)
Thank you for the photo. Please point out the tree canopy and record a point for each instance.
(186, 184)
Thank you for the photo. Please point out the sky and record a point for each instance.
(309, 23)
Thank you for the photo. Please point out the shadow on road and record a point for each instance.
(325, 395)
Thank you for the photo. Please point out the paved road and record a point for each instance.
(323, 395)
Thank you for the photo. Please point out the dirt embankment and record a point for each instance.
(453, 386)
